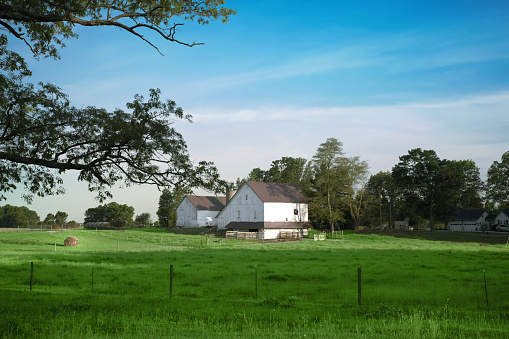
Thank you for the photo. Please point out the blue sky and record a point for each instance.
(281, 77)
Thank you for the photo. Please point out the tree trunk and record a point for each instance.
(432, 216)
(330, 210)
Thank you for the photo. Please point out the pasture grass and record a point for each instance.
(117, 285)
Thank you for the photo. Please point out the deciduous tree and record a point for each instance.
(168, 203)
(14, 216)
(61, 218)
(143, 219)
(498, 182)
(436, 186)
(117, 215)
(44, 25)
(354, 173)
(43, 136)
(328, 199)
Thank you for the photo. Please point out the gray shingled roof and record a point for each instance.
(207, 203)
(468, 214)
(277, 192)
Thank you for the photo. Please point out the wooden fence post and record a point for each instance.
(171, 281)
(256, 281)
(31, 274)
(486, 289)
(359, 286)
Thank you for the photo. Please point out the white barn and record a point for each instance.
(198, 211)
(271, 210)
(468, 220)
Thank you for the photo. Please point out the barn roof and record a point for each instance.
(202, 203)
(277, 192)
(468, 214)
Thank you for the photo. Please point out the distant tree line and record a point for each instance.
(342, 193)
(421, 186)
(117, 215)
(14, 216)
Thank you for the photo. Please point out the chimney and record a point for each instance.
(230, 194)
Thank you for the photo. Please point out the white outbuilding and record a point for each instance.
(266, 210)
(199, 211)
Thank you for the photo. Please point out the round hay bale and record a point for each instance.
(71, 241)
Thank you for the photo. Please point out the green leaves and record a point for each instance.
(43, 136)
(45, 25)
(498, 181)
(437, 187)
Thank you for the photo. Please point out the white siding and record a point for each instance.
(207, 218)
(186, 214)
(468, 225)
(464, 226)
(502, 219)
(245, 205)
(285, 212)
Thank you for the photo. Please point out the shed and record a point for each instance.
(199, 211)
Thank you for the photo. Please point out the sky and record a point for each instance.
(281, 77)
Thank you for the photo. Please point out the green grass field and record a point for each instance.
(117, 285)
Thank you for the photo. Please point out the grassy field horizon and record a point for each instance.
(117, 285)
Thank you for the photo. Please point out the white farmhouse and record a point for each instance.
(468, 220)
(270, 210)
(198, 211)
(502, 218)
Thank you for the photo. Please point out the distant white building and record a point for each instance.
(271, 210)
(468, 220)
(502, 218)
(198, 211)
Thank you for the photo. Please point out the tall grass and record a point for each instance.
(117, 284)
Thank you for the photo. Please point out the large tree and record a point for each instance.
(354, 174)
(43, 136)
(328, 198)
(117, 215)
(168, 203)
(437, 187)
(498, 182)
(385, 193)
(143, 219)
(287, 170)
(44, 25)
(14, 216)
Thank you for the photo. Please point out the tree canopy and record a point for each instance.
(14, 216)
(498, 182)
(117, 215)
(44, 25)
(168, 203)
(42, 135)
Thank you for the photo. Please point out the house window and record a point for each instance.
(254, 214)
(238, 214)
(246, 197)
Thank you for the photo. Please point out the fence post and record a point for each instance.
(171, 281)
(486, 289)
(256, 281)
(359, 286)
(31, 274)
